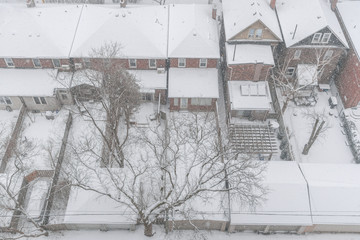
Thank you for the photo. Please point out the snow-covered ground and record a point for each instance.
(186, 235)
(330, 147)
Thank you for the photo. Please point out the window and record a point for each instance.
(5, 100)
(9, 62)
(326, 38)
(182, 62)
(290, 71)
(36, 63)
(56, 63)
(258, 33)
(147, 96)
(40, 100)
(87, 62)
(201, 101)
(328, 54)
(152, 63)
(132, 63)
(297, 54)
(176, 102)
(203, 62)
(316, 38)
(251, 33)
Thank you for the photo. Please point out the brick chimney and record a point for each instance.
(272, 4)
(30, 3)
(213, 12)
(123, 3)
(333, 4)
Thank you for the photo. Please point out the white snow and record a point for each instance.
(248, 95)
(286, 203)
(249, 53)
(307, 74)
(193, 83)
(330, 147)
(149, 80)
(192, 32)
(28, 82)
(5, 213)
(44, 31)
(349, 12)
(141, 31)
(334, 193)
(39, 192)
(318, 16)
(238, 15)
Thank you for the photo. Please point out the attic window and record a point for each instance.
(258, 33)
(326, 38)
(251, 33)
(316, 38)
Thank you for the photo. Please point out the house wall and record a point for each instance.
(193, 107)
(194, 63)
(253, 72)
(266, 33)
(28, 63)
(141, 64)
(349, 81)
(162, 97)
(16, 104)
(52, 104)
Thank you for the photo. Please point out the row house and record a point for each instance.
(250, 36)
(313, 39)
(193, 52)
(349, 78)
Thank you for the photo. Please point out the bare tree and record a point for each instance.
(289, 82)
(320, 125)
(160, 2)
(165, 166)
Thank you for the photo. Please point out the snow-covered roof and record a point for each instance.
(286, 203)
(44, 31)
(238, 15)
(248, 95)
(307, 74)
(193, 83)
(192, 32)
(89, 207)
(21, 82)
(149, 80)
(318, 14)
(141, 31)
(249, 53)
(334, 192)
(349, 12)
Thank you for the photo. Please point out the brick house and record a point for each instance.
(193, 52)
(349, 78)
(316, 39)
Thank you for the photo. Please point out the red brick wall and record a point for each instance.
(23, 63)
(193, 107)
(349, 81)
(2, 63)
(46, 63)
(142, 64)
(194, 63)
(246, 72)
(28, 63)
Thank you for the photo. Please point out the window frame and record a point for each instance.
(181, 60)
(11, 62)
(202, 61)
(251, 33)
(5, 100)
(316, 35)
(256, 33)
(297, 54)
(36, 66)
(53, 62)
(152, 66)
(40, 100)
(176, 102)
(328, 54)
(328, 35)
(132, 61)
(287, 71)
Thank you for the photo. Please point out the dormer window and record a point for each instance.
(258, 33)
(326, 38)
(316, 38)
(251, 33)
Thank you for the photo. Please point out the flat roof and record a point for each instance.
(28, 82)
(249, 53)
(193, 83)
(249, 95)
(307, 74)
(149, 80)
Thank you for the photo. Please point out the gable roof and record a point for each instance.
(141, 31)
(240, 14)
(349, 12)
(44, 31)
(192, 32)
(318, 14)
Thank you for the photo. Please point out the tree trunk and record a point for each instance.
(148, 229)
(285, 105)
(315, 133)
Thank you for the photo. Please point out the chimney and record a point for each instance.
(272, 4)
(123, 3)
(213, 13)
(333, 4)
(30, 3)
